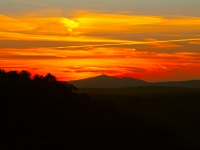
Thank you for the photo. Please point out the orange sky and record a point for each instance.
(152, 48)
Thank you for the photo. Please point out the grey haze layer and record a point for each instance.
(148, 7)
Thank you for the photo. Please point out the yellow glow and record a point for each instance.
(70, 24)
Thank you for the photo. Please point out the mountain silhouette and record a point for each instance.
(104, 81)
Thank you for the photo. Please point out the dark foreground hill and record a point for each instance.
(168, 114)
(43, 113)
(104, 81)
(141, 91)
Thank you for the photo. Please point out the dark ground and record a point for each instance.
(43, 113)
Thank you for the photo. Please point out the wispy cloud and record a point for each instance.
(195, 42)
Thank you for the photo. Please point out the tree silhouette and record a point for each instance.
(2, 72)
(50, 78)
(25, 74)
(38, 77)
(13, 74)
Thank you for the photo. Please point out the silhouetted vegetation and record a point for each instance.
(39, 112)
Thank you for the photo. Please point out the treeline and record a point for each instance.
(24, 78)
(40, 112)
(33, 109)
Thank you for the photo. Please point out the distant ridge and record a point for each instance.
(188, 84)
(104, 81)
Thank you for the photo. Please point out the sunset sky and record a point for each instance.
(152, 40)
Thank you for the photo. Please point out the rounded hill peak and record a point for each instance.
(105, 81)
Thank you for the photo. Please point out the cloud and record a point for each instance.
(162, 44)
(195, 42)
(8, 24)
(57, 26)
(36, 27)
(183, 21)
(134, 24)
(91, 27)
(29, 54)
(90, 22)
